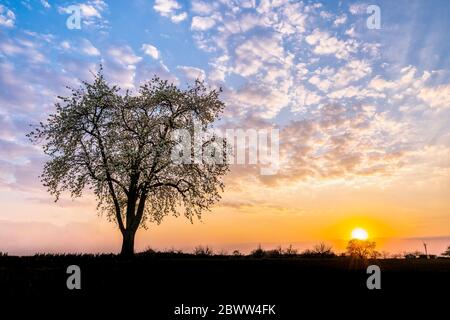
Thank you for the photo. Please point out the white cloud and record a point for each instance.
(45, 4)
(22, 47)
(7, 17)
(89, 11)
(124, 55)
(436, 97)
(178, 17)
(166, 7)
(88, 48)
(352, 71)
(358, 8)
(340, 20)
(303, 98)
(326, 14)
(201, 7)
(254, 53)
(150, 50)
(322, 84)
(267, 99)
(351, 32)
(326, 78)
(169, 8)
(381, 84)
(324, 44)
(65, 45)
(202, 23)
(192, 73)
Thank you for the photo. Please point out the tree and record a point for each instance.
(323, 250)
(446, 252)
(121, 146)
(361, 248)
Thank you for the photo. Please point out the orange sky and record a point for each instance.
(391, 209)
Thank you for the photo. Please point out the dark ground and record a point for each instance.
(159, 283)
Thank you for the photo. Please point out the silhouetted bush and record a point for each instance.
(203, 251)
(222, 253)
(237, 253)
(258, 252)
(320, 250)
(290, 252)
(147, 252)
(275, 253)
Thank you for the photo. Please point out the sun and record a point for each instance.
(360, 234)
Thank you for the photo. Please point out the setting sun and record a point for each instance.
(360, 234)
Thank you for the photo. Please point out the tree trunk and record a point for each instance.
(128, 243)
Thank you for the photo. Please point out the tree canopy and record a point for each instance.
(119, 145)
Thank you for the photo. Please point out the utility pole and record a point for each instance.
(426, 252)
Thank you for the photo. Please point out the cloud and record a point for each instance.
(353, 71)
(202, 7)
(121, 66)
(45, 4)
(358, 8)
(342, 19)
(169, 8)
(88, 48)
(25, 48)
(150, 50)
(380, 84)
(202, 23)
(436, 97)
(177, 18)
(124, 55)
(7, 17)
(192, 73)
(255, 52)
(327, 78)
(166, 7)
(324, 44)
(263, 99)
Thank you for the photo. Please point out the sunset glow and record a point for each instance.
(360, 234)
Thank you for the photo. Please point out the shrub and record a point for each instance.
(203, 251)
(258, 252)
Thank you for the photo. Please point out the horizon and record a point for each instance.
(110, 243)
(363, 116)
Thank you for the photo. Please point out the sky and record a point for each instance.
(363, 115)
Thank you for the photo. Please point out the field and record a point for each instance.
(166, 281)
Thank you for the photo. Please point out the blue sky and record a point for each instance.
(358, 108)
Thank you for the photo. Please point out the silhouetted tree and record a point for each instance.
(446, 252)
(120, 145)
(361, 248)
(323, 250)
(290, 251)
(320, 250)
